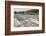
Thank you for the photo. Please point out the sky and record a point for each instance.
(21, 9)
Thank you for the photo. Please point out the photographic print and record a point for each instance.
(24, 18)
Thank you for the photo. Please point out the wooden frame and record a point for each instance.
(8, 16)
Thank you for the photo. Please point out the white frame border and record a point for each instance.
(25, 28)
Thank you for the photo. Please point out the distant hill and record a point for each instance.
(33, 11)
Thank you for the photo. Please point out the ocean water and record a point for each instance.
(21, 17)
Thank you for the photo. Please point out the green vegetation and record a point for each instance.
(33, 11)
